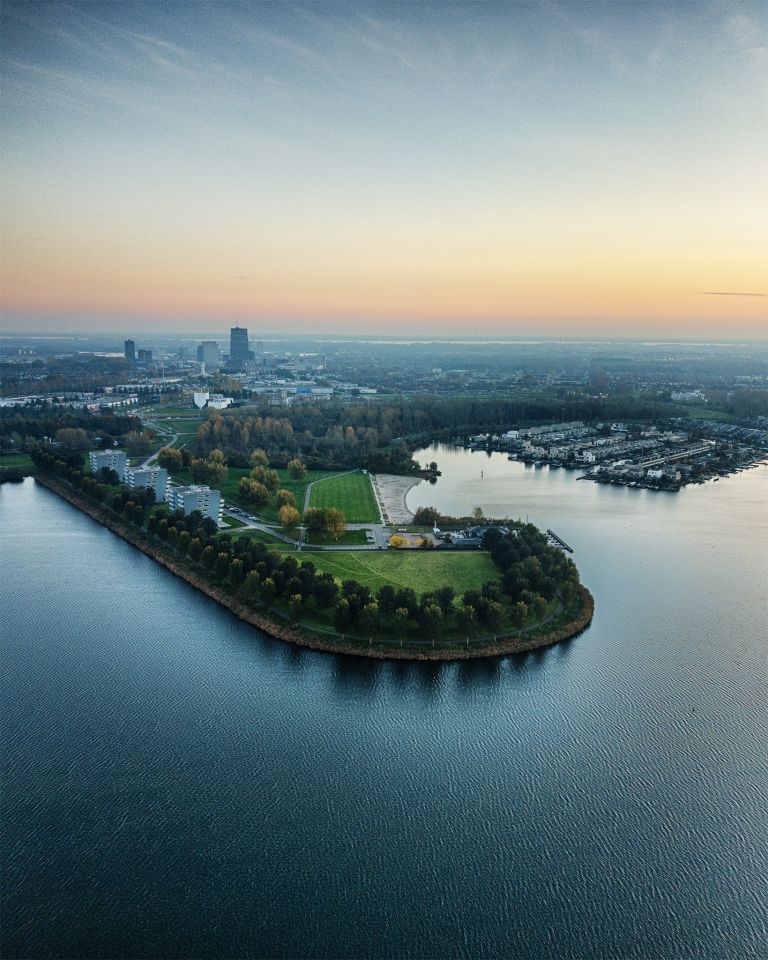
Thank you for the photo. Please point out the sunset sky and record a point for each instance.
(549, 168)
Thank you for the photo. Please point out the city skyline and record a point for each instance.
(448, 169)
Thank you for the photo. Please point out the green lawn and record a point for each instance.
(232, 522)
(351, 493)
(422, 570)
(348, 538)
(230, 488)
(22, 460)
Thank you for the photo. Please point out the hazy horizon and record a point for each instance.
(529, 169)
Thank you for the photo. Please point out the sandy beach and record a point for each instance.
(391, 491)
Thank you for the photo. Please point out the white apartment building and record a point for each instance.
(197, 496)
(153, 478)
(116, 460)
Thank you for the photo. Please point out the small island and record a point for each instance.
(490, 587)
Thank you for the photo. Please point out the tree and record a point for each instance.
(406, 598)
(477, 513)
(431, 619)
(466, 618)
(342, 616)
(386, 599)
(402, 615)
(444, 597)
(397, 542)
(295, 604)
(211, 470)
(73, 437)
(285, 498)
(270, 478)
(109, 476)
(369, 616)
(222, 564)
(138, 443)
(315, 520)
(259, 458)
(236, 572)
(253, 492)
(334, 522)
(325, 591)
(170, 459)
(494, 614)
(519, 613)
(252, 584)
(268, 590)
(289, 519)
(296, 469)
(426, 516)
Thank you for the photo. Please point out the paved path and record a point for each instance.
(153, 456)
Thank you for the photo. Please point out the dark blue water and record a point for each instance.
(177, 785)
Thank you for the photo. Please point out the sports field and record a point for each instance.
(422, 570)
(351, 493)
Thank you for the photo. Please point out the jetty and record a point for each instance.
(558, 541)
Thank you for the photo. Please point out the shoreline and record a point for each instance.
(303, 638)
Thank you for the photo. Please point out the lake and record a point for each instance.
(176, 784)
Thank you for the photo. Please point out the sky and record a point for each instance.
(431, 168)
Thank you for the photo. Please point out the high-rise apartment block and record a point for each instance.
(153, 478)
(129, 349)
(197, 496)
(116, 460)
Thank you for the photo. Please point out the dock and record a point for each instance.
(558, 541)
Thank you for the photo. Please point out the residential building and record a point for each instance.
(238, 348)
(197, 496)
(130, 351)
(153, 478)
(116, 460)
(145, 356)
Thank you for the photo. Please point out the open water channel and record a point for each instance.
(175, 784)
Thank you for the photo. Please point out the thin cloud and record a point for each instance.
(729, 293)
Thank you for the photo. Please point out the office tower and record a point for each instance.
(209, 353)
(145, 356)
(130, 351)
(238, 348)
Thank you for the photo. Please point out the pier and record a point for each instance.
(558, 542)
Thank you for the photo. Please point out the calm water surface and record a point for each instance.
(177, 785)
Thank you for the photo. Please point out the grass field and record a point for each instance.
(422, 570)
(22, 460)
(348, 538)
(232, 522)
(351, 493)
(230, 487)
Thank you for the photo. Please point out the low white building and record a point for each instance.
(197, 496)
(153, 478)
(116, 460)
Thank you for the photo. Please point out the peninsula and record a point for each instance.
(519, 593)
